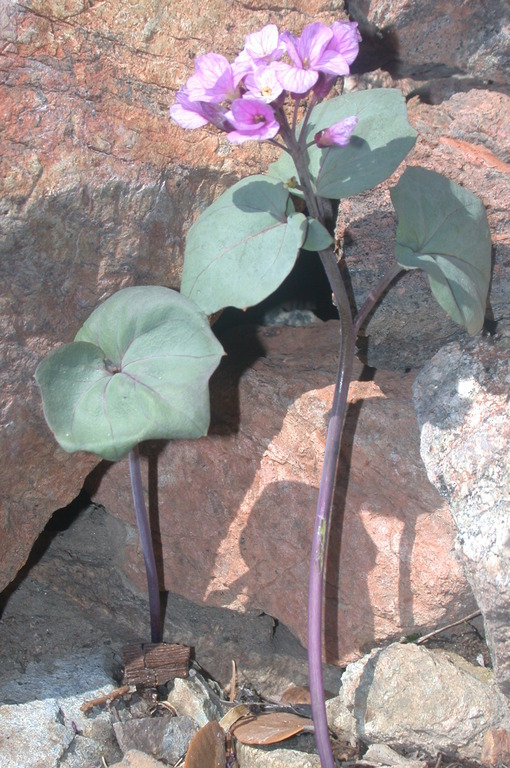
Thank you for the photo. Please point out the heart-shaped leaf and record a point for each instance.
(137, 370)
(243, 246)
(443, 229)
(381, 140)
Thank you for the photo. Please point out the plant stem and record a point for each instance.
(146, 541)
(320, 538)
(375, 295)
(316, 209)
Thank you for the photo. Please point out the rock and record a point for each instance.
(408, 327)
(382, 754)
(423, 41)
(255, 757)
(80, 576)
(461, 398)
(136, 759)
(194, 698)
(496, 747)
(97, 190)
(162, 737)
(54, 733)
(33, 736)
(413, 698)
(58, 678)
(235, 510)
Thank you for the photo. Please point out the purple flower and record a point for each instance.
(345, 41)
(306, 53)
(320, 49)
(213, 80)
(187, 113)
(196, 114)
(252, 120)
(260, 48)
(338, 134)
(263, 84)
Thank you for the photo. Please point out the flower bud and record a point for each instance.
(338, 134)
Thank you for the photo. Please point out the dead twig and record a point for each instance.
(424, 638)
(106, 698)
(233, 683)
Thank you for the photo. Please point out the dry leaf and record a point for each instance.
(207, 748)
(271, 728)
(233, 715)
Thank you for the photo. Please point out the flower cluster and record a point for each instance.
(243, 98)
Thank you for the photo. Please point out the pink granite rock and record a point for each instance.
(233, 513)
(466, 138)
(97, 190)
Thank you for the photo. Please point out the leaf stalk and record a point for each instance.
(144, 531)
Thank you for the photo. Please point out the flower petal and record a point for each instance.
(295, 80)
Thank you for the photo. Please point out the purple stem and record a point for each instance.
(348, 332)
(320, 539)
(332, 449)
(146, 541)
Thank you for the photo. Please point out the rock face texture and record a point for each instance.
(416, 700)
(461, 398)
(234, 512)
(97, 190)
(470, 41)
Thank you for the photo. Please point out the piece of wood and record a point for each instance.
(152, 664)
(106, 698)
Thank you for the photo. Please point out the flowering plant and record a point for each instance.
(139, 367)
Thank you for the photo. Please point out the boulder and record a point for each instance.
(233, 513)
(461, 398)
(424, 41)
(418, 700)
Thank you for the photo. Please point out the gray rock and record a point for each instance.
(413, 698)
(255, 757)
(162, 737)
(33, 735)
(194, 698)
(461, 398)
(55, 733)
(382, 754)
(57, 678)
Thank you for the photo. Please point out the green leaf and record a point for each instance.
(137, 370)
(381, 140)
(443, 229)
(317, 236)
(243, 246)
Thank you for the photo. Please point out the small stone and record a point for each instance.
(496, 747)
(253, 757)
(194, 698)
(136, 759)
(163, 737)
(382, 754)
